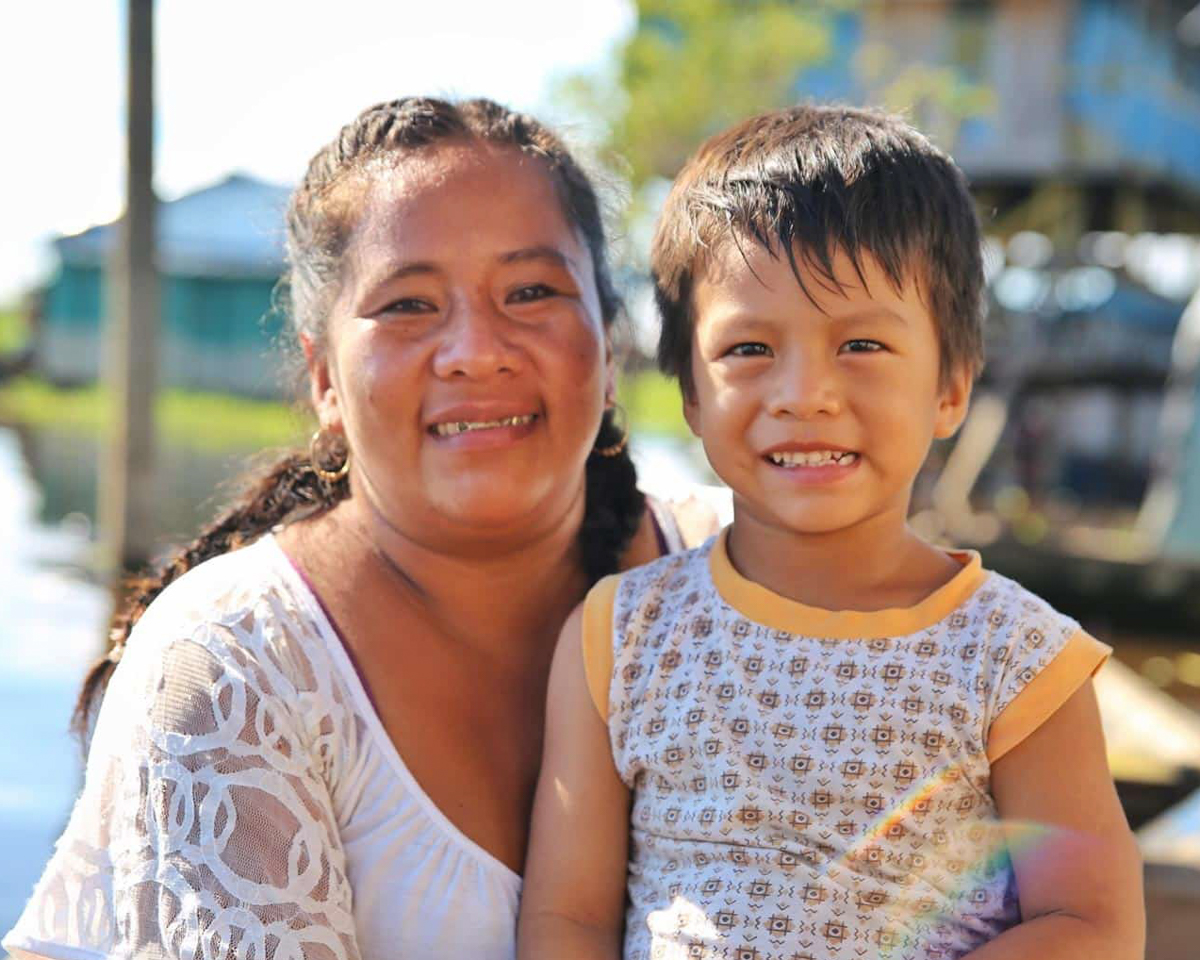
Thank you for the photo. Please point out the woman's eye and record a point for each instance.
(749, 350)
(529, 293)
(408, 305)
(861, 346)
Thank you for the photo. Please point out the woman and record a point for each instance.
(324, 744)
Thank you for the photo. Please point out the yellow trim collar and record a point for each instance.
(769, 609)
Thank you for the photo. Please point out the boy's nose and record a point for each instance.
(804, 389)
(473, 343)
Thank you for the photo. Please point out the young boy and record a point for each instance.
(818, 736)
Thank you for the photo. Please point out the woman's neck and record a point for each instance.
(504, 598)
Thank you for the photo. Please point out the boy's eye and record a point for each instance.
(754, 349)
(529, 293)
(861, 346)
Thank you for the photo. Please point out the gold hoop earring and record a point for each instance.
(314, 458)
(617, 448)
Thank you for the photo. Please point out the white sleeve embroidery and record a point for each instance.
(205, 827)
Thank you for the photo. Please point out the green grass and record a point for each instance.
(12, 330)
(188, 419)
(653, 403)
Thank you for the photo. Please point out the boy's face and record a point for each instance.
(818, 416)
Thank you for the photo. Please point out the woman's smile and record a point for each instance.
(478, 430)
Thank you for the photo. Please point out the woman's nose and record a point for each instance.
(474, 343)
(805, 388)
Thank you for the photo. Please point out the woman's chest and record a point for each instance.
(470, 740)
(432, 815)
(421, 886)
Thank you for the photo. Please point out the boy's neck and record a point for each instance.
(878, 564)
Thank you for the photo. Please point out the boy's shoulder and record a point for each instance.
(1001, 601)
(1016, 633)
(667, 569)
(653, 590)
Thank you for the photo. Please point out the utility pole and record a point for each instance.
(130, 368)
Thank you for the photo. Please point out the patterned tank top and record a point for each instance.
(816, 784)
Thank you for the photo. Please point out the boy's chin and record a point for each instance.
(814, 521)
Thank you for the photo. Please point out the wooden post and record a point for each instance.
(127, 476)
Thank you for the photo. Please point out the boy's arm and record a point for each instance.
(574, 895)
(1078, 869)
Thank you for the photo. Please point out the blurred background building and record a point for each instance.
(1078, 471)
(220, 253)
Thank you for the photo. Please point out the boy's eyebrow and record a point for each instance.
(740, 317)
(870, 313)
(745, 318)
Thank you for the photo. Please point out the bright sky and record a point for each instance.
(252, 86)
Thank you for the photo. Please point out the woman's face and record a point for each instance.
(466, 361)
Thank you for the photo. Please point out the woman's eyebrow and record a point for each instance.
(538, 252)
(398, 270)
(389, 273)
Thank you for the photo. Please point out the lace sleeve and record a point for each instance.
(691, 516)
(205, 828)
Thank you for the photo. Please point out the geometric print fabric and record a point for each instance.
(796, 796)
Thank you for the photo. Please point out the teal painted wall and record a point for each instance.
(73, 298)
(216, 333)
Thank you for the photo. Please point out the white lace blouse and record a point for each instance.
(242, 799)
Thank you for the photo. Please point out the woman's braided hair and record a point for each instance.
(320, 218)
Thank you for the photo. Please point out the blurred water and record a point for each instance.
(50, 627)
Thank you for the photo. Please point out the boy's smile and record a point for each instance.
(817, 414)
(813, 462)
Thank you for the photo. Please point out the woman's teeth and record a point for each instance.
(813, 458)
(462, 426)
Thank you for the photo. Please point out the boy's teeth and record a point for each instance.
(813, 458)
(462, 426)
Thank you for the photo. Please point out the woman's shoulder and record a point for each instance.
(217, 588)
(243, 608)
(688, 516)
(237, 635)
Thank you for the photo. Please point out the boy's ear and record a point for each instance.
(953, 401)
(320, 385)
(691, 407)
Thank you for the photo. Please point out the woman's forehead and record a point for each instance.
(462, 211)
(462, 191)
(399, 184)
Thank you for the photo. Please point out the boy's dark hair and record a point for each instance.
(819, 180)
